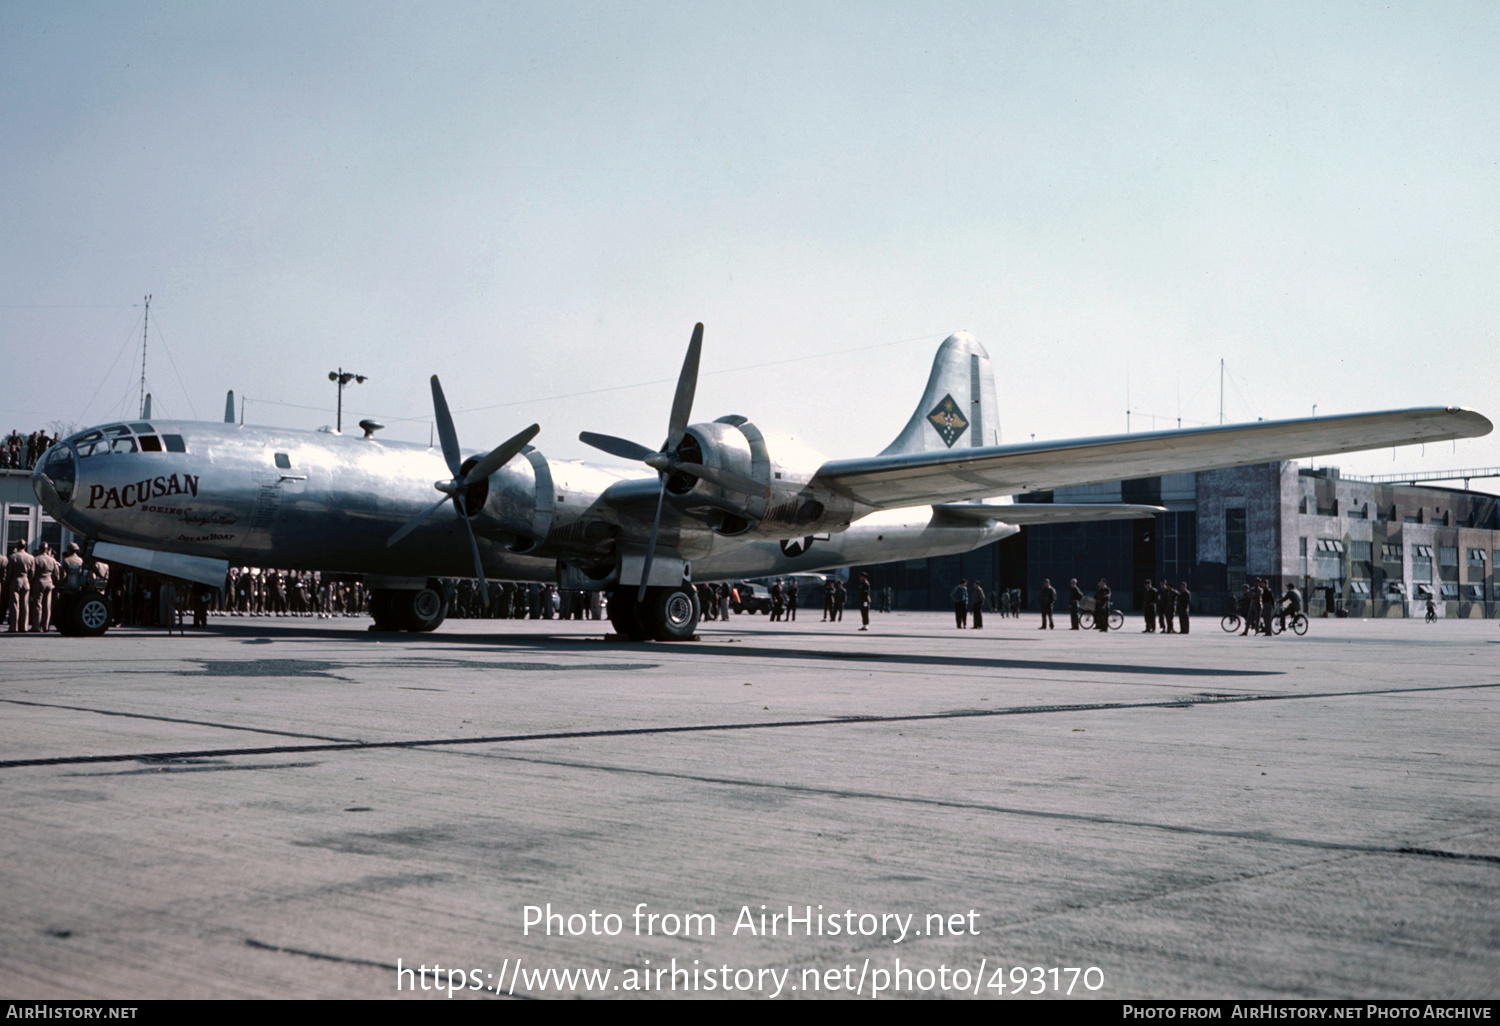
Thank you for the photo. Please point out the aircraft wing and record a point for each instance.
(1046, 512)
(909, 479)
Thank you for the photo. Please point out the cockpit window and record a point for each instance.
(117, 431)
(150, 443)
(143, 429)
(126, 444)
(60, 468)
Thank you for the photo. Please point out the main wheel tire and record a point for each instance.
(383, 612)
(86, 616)
(422, 610)
(622, 615)
(670, 614)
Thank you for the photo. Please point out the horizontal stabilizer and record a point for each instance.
(199, 569)
(1023, 513)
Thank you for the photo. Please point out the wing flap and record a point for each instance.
(1022, 513)
(890, 482)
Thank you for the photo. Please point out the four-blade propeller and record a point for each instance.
(667, 461)
(457, 488)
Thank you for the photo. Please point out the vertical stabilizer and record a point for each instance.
(959, 409)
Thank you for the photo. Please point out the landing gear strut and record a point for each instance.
(666, 614)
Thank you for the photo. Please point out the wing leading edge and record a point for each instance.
(890, 482)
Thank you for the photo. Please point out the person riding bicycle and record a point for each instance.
(1291, 603)
(1431, 610)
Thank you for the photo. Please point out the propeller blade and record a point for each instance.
(687, 384)
(621, 447)
(446, 434)
(412, 524)
(500, 456)
(484, 587)
(640, 596)
(723, 478)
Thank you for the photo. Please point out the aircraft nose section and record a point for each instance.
(55, 479)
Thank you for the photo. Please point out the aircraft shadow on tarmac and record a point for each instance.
(488, 643)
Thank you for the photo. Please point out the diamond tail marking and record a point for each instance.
(948, 420)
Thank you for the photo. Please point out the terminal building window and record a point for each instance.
(1391, 553)
(1421, 562)
(1234, 548)
(1360, 588)
(1448, 555)
(1449, 591)
(1476, 559)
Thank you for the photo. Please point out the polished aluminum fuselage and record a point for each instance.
(323, 501)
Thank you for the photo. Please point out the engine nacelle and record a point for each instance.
(783, 467)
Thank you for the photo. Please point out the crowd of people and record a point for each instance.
(20, 452)
(1258, 608)
(27, 583)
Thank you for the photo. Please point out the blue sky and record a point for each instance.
(537, 200)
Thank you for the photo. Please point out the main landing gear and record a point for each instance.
(665, 614)
(408, 610)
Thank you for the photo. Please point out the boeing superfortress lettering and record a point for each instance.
(101, 497)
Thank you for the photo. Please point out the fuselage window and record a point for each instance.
(150, 443)
(174, 443)
(283, 461)
(123, 445)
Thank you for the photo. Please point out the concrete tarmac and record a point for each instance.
(293, 808)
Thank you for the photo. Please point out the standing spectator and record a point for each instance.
(864, 601)
(44, 575)
(1183, 611)
(960, 599)
(1149, 605)
(791, 598)
(1101, 606)
(1049, 596)
(840, 595)
(19, 578)
(976, 604)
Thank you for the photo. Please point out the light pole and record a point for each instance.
(343, 378)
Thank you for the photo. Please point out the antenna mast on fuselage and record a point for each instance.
(145, 327)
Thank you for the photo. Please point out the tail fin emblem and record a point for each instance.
(948, 420)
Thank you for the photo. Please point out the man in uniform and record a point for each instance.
(840, 595)
(778, 600)
(976, 604)
(1166, 608)
(18, 575)
(1148, 603)
(1267, 606)
(1049, 596)
(43, 580)
(1183, 597)
(960, 597)
(864, 601)
(1101, 607)
(791, 598)
(4, 585)
(1075, 602)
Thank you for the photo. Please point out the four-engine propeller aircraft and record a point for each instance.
(718, 500)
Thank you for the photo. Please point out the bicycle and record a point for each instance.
(1116, 620)
(1431, 615)
(1231, 623)
(1297, 621)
